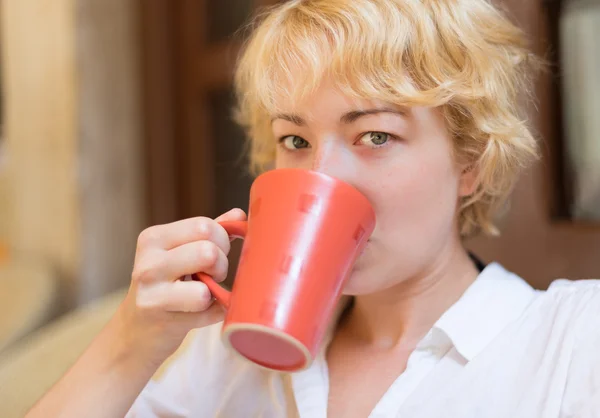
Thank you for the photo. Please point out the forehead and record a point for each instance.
(327, 98)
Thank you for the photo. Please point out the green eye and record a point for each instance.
(293, 142)
(374, 139)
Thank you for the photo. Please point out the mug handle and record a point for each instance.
(235, 229)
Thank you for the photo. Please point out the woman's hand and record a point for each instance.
(161, 307)
(157, 313)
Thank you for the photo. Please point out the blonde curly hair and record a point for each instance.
(463, 56)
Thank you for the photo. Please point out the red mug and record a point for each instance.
(304, 232)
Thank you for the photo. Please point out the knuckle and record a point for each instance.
(210, 230)
(202, 299)
(203, 227)
(145, 303)
(222, 267)
(148, 236)
(148, 271)
(141, 275)
(224, 240)
(209, 253)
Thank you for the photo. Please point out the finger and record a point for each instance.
(172, 235)
(215, 313)
(177, 296)
(187, 297)
(195, 257)
(236, 214)
(233, 215)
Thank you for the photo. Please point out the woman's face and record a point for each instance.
(400, 159)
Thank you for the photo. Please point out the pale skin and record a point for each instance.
(415, 266)
(413, 269)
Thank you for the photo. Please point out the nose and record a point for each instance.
(334, 159)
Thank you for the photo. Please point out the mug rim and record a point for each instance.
(241, 326)
(324, 176)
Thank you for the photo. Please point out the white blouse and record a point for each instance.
(503, 350)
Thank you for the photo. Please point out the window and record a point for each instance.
(579, 40)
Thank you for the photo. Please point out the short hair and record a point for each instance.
(463, 56)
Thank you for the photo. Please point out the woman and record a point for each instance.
(415, 104)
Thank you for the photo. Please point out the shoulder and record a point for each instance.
(581, 298)
(574, 309)
(570, 305)
(571, 286)
(569, 310)
(579, 303)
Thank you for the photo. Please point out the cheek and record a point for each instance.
(285, 159)
(280, 159)
(418, 198)
(279, 163)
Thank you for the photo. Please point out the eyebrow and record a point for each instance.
(354, 115)
(295, 119)
(347, 118)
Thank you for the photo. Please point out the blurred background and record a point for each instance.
(116, 115)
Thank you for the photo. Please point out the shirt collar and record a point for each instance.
(495, 299)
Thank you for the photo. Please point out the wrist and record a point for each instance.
(127, 349)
